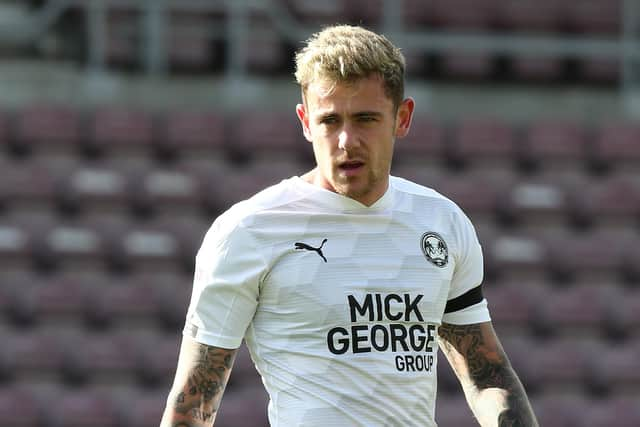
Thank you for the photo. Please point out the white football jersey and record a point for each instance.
(339, 303)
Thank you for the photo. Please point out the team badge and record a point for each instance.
(435, 249)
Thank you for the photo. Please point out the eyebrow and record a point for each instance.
(330, 114)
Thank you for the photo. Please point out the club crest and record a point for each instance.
(434, 249)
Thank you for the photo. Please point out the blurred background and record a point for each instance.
(126, 126)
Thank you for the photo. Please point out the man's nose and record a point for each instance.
(347, 139)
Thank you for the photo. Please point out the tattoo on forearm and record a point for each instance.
(206, 383)
(488, 367)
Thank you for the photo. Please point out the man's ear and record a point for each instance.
(301, 112)
(404, 117)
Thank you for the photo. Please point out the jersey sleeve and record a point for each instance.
(465, 302)
(228, 270)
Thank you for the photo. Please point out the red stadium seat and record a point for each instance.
(364, 12)
(561, 409)
(618, 370)
(616, 145)
(244, 374)
(513, 304)
(16, 247)
(244, 407)
(143, 409)
(552, 144)
(536, 203)
(516, 255)
(537, 68)
(193, 134)
(454, 411)
(192, 46)
(483, 142)
(601, 70)
(49, 129)
(34, 356)
(425, 143)
(467, 66)
(311, 12)
(28, 187)
(121, 133)
(619, 411)
(579, 310)
(612, 202)
(462, 14)
(593, 17)
(529, 15)
(562, 364)
(157, 359)
(19, 407)
(268, 135)
(266, 49)
(95, 189)
(84, 408)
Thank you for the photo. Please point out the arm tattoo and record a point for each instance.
(486, 366)
(199, 400)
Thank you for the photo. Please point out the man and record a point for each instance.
(345, 281)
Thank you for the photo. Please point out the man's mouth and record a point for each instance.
(351, 165)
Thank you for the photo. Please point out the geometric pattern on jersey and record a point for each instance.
(339, 303)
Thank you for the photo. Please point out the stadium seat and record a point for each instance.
(612, 202)
(244, 407)
(616, 146)
(561, 409)
(535, 204)
(105, 359)
(475, 192)
(91, 189)
(192, 44)
(311, 12)
(157, 359)
(579, 310)
(562, 364)
(513, 304)
(527, 16)
(467, 66)
(454, 411)
(84, 407)
(619, 411)
(244, 374)
(35, 355)
(16, 247)
(49, 129)
(585, 257)
(143, 408)
(71, 246)
(554, 144)
(192, 134)
(425, 143)
(593, 17)
(268, 135)
(537, 69)
(483, 142)
(19, 407)
(605, 71)
(28, 187)
(462, 14)
(617, 372)
(364, 12)
(628, 315)
(123, 37)
(121, 133)
(265, 47)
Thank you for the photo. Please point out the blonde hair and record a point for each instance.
(345, 53)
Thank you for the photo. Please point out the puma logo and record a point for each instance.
(318, 250)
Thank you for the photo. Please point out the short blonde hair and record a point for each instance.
(345, 53)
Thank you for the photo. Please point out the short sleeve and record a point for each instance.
(226, 282)
(465, 302)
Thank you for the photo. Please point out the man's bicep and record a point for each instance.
(474, 352)
(201, 377)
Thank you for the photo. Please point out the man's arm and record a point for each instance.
(201, 377)
(492, 388)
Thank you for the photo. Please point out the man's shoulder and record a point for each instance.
(269, 198)
(421, 191)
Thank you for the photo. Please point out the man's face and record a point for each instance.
(353, 127)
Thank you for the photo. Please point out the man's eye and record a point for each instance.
(328, 120)
(367, 119)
